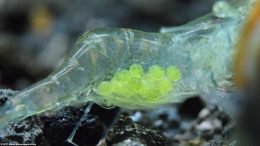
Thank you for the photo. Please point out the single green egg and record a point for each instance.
(173, 73)
(122, 76)
(104, 88)
(165, 86)
(156, 72)
(136, 70)
(134, 84)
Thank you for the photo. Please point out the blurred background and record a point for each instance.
(35, 36)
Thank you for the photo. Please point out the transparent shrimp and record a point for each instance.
(202, 51)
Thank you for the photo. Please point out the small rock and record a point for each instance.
(136, 116)
(131, 142)
(217, 124)
(204, 113)
(205, 126)
(125, 131)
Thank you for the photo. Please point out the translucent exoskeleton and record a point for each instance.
(202, 51)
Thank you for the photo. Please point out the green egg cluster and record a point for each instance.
(135, 82)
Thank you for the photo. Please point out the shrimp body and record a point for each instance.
(202, 53)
